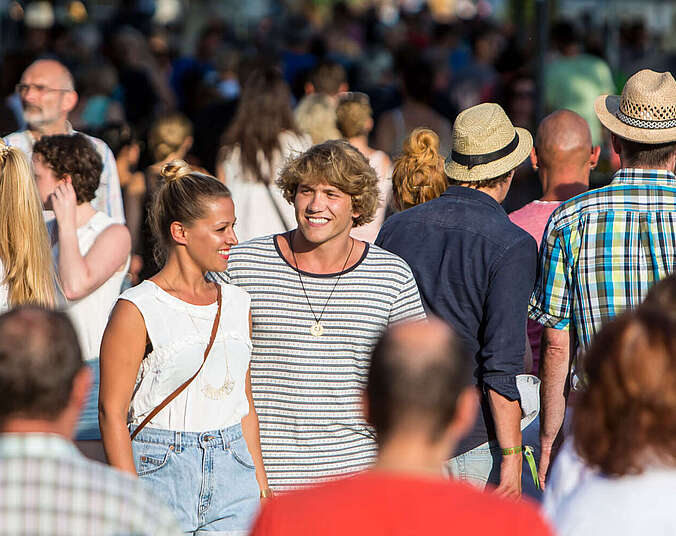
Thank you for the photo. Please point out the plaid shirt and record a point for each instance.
(604, 249)
(48, 488)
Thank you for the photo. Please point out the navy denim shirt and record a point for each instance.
(476, 270)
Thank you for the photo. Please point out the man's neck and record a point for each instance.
(59, 127)
(561, 185)
(326, 258)
(413, 454)
(36, 426)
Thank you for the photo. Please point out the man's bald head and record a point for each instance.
(52, 71)
(418, 370)
(563, 140)
(47, 95)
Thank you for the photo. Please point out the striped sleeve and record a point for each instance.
(408, 305)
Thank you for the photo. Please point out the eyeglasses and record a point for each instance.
(22, 89)
(354, 96)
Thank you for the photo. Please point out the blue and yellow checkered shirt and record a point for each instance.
(602, 250)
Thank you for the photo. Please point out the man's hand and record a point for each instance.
(510, 476)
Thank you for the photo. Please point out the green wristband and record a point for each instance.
(512, 450)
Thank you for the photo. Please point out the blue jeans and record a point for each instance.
(207, 479)
(88, 422)
(481, 465)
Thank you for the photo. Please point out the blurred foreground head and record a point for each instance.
(40, 360)
(419, 371)
(625, 421)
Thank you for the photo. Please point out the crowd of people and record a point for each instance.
(328, 319)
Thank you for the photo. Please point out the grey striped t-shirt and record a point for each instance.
(307, 389)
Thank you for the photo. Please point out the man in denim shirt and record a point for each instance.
(475, 269)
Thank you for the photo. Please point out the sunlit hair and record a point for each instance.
(167, 134)
(24, 245)
(418, 175)
(354, 115)
(316, 116)
(181, 198)
(339, 164)
(263, 113)
(625, 420)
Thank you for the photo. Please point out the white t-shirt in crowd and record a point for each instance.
(624, 506)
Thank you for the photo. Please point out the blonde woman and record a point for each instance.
(26, 271)
(316, 116)
(418, 174)
(355, 121)
(175, 356)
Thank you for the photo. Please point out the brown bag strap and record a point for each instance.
(182, 387)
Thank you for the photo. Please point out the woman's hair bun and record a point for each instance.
(175, 170)
(422, 141)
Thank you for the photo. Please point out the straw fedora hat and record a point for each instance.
(646, 110)
(486, 144)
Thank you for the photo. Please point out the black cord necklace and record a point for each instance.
(317, 329)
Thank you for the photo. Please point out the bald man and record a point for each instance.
(564, 156)
(48, 95)
(420, 400)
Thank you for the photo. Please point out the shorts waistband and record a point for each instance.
(218, 439)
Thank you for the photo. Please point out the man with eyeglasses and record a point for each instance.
(48, 95)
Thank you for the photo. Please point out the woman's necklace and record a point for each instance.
(208, 390)
(317, 329)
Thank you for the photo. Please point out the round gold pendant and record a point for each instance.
(317, 329)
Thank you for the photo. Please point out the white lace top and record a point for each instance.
(179, 333)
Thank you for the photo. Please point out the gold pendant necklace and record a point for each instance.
(317, 330)
(208, 390)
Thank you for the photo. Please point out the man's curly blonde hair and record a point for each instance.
(339, 164)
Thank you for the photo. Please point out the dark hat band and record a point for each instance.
(471, 160)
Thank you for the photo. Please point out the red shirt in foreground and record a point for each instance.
(376, 503)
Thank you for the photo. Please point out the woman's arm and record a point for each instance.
(122, 351)
(251, 432)
(79, 275)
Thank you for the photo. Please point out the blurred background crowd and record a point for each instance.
(164, 79)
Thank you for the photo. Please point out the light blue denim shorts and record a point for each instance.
(208, 479)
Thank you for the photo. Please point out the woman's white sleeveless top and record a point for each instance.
(90, 314)
(179, 333)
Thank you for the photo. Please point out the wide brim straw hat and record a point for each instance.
(486, 144)
(646, 110)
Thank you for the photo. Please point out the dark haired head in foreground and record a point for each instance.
(39, 361)
(43, 386)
